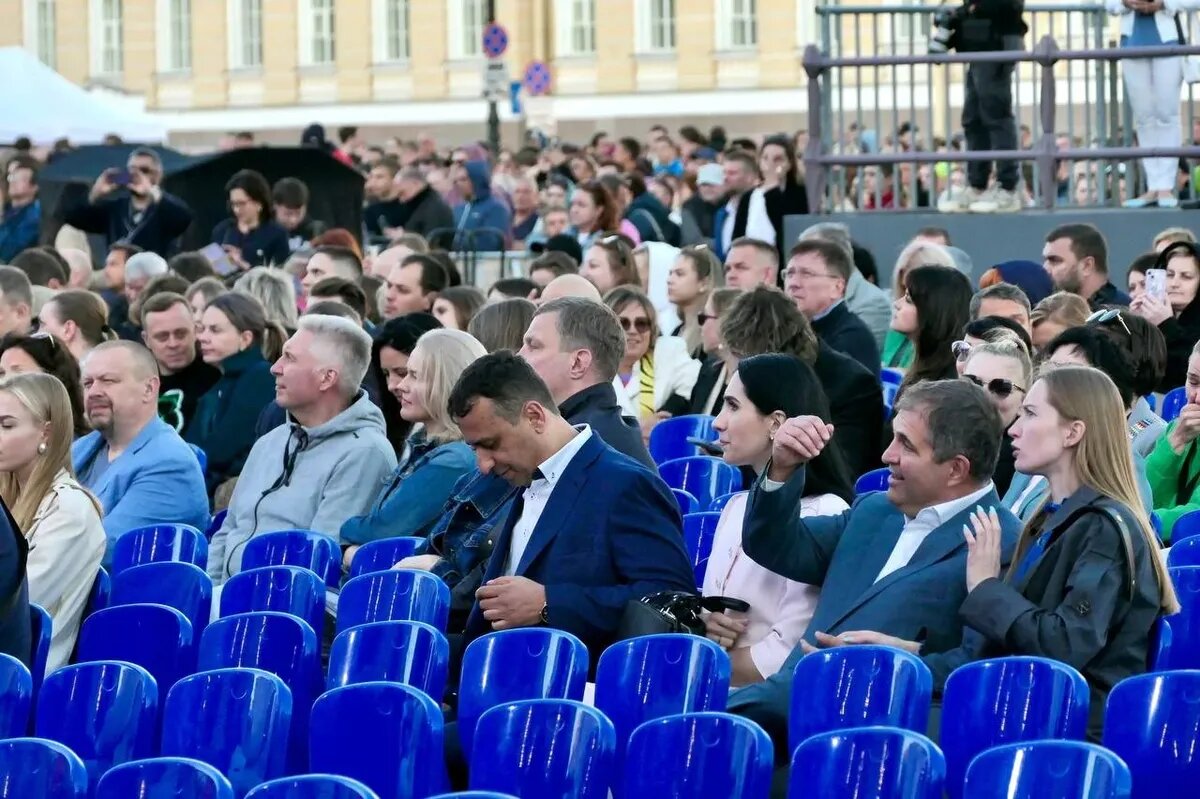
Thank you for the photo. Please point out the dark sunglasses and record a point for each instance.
(640, 325)
(1104, 316)
(1000, 387)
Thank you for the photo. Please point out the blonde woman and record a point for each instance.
(60, 518)
(1002, 368)
(1055, 314)
(275, 290)
(898, 351)
(413, 498)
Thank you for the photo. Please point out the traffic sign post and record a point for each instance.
(495, 42)
(495, 81)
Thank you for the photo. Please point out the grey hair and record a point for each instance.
(15, 287)
(961, 420)
(274, 289)
(999, 291)
(145, 264)
(348, 348)
(835, 232)
(584, 324)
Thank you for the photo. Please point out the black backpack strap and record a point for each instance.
(1117, 513)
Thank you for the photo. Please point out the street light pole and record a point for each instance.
(493, 120)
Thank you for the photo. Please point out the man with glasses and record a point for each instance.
(129, 205)
(816, 277)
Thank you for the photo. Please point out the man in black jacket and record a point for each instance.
(427, 211)
(815, 279)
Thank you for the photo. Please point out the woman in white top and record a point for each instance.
(60, 518)
(763, 392)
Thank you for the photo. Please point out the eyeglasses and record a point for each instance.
(701, 318)
(1103, 316)
(641, 325)
(807, 274)
(1000, 387)
(961, 349)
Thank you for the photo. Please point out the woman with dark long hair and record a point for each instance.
(593, 211)
(931, 313)
(394, 343)
(43, 353)
(1177, 315)
(783, 187)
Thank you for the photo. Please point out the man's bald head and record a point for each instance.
(570, 286)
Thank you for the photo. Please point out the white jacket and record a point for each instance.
(675, 372)
(1164, 20)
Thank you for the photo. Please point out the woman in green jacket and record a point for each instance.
(898, 350)
(1173, 468)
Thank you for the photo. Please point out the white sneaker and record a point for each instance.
(958, 201)
(997, 201)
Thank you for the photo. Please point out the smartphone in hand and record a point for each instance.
(1156, 284)
(119, 177)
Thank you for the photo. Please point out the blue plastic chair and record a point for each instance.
(394, 595)
(1151, 723)
(669, 438)
(544, 747)
(513, 665)
(858, 686)
(235, 720)
(1008, 700)
(313, 786)
(892, 377)
(687, 503)
(698, 532)
(407, 652)
(101, 591)
(164, 778)
(107, 713)
(39, 632)
(155, 637)
(1161, 637)
(868, 763)
(1173, 402)
(701, 756)
(702, 477)
(719, 503)
(201, 456)
(34, 767)
(653, 676)
(157, 543)
(1184, 553)
(182, 586)
(386, 735)
(474, 795)
(283, 589)
(381, 555)
(1185, 527)
(1047, 770)
(303, 548)
(874, 480)
(1156, 525)
(218, 519)
(1185, 625)
(16, 697)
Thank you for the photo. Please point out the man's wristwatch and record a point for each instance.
(545, 614)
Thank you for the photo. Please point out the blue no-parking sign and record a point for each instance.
(537, 78)
(495, 40)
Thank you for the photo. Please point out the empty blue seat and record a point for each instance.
(858, 686)
(698, 532)
(512, 665)
(157, 543)
(182, 586)
(544, 747)
(1184, 552)
(1173, 402)
(1160, 645)
(381, 555)
(687, 503)
(874, 480)
(702, 477)
(394, 595)
(386, 735)
(1151, 723)
(164, 778)
(1047, 770)
(1185, 527)
(313, 786)
(155, 637)
(39, 632)
(101, 590)
(700, 756)
(236, 720)
(408, 652)
(1008, 700)
(34, 767)
(669, 438)
(1185, 625)
(304, 548)
(718, 504)
(868, 763)
(283, 589)
(16, 697)
(107, 713)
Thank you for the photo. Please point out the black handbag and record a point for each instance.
(672, 612)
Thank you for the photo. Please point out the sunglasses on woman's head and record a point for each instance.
(961, 349)
(1104, 316)
(630, 325)
(999, 386)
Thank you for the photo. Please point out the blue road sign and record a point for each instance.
(514, 97)
(537, 78)
(495, 40)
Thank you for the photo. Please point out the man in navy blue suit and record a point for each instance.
(591, 528)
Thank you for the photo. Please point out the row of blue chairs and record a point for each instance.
(704, 478)
(689, 504)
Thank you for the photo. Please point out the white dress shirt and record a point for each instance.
(918, 528)
(758, 223)
(537, 494)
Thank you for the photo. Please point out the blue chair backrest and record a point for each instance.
(164, 778)
(868, 763)
(1184, 553)
(283, 589)
(892, 377)
(474, 795)
(408, 652)
(236, 720)
(669, 438)
(182, 586)
(39, 632)
(218, 519)
(699, 755)
(16, 697)
(35, 767)
(698, 532)
(874, 480)
(653, 676)
(313, 786)
(718, 504)
(858, 686)
(381, 555)
(1150, 722)
(157, 543)
(107, 713)
(1008, 700)
(702, 477)
(1185, 625)
(544, 747)
(1161, 637)
(385, 735)
(1156, 525)
(1173, 402)
(1046, 769)
(890, 392)
(303, 548)
(155, 637)
(201, 456)
(101, 591)
(1185, 527)
(687, 503)
(513, 665)
(394, 595)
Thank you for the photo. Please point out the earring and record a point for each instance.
(42, 448)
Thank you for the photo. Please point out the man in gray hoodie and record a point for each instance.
(327, 463)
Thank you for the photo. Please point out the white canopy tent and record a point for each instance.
(37, 102)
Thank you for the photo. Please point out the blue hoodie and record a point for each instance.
(482, 211)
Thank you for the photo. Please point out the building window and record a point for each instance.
(106, 36)
(317, 32)
(245, 34)
(391, 30)
(576, 24)
(174, 35)
(656, 26)
(40, 30)
(468, 18)
(737, 24)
